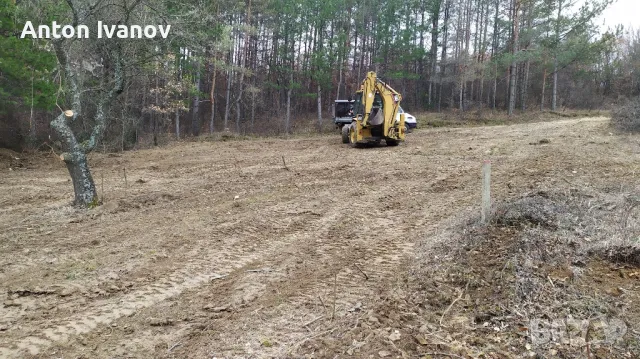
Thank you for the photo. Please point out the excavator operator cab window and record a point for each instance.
(357, 105)
(377, 101)
(377, 104)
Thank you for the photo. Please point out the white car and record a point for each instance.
(409, 120)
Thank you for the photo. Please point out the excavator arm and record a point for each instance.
(377, 118)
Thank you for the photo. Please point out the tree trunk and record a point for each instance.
(483, 50)
(461, 88)
(178, 123)
(494, 52)
(179, 75)
(319, 109)
(527, 21)
(253, 110)
(228, 100)
(238, 103)
(84, 188)
(443, 61)
(32, 122)
(154, 115)
(339, 80)
(544, 85)
(76, 161)
(243, 64)
(287, 123)
(495, 88)
(195, 119)
(364, 48)
(514, 52)
(525, 84)
(154, 124)
(345, 53)
(435, 17)
(554, 91)
(212, 96)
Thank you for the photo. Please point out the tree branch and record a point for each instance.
(75, 13)
(101, 117)
(61, 126)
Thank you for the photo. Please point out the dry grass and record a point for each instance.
(554, 274)
(549, 256)
(486, 117)
(627, 117)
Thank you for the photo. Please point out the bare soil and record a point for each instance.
(277, 248)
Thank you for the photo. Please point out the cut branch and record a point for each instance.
(70, 76)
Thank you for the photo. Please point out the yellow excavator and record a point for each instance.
(374, 115)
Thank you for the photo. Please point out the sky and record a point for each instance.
(625, 12)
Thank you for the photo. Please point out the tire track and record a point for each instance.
(206, 265)
(107, 311)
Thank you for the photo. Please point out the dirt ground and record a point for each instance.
(260, 248)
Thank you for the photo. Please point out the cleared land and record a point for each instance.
(217, 249)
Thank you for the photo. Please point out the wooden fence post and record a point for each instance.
(486, 191)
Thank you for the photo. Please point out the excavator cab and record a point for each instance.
(375, 108)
